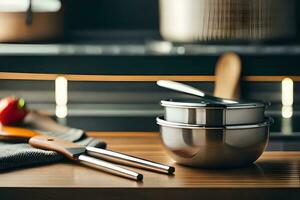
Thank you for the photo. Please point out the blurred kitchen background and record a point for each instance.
(93, 64)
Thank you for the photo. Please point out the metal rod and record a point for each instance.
(129, 160)
(109, 167)
(180, 87)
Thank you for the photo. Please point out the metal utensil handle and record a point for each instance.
(109, 167)
(180, 87)
(129, 160)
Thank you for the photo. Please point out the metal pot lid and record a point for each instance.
(196, 103)
(160, 121)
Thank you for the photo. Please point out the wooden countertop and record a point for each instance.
(274, 175)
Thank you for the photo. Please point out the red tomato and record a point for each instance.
(12, 110)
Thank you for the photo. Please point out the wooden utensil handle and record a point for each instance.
(68, 149)
(228, 72)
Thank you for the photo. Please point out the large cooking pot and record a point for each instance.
(30, 20)
(215, 20)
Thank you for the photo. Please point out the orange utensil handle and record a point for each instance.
(10, 133)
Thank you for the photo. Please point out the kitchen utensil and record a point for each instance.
(191, 111)
(214, 147)
(227, 73)
(30, 20)
(78, 153)
(180, 87)
(43, 122)
(212, 20)
(85, 155)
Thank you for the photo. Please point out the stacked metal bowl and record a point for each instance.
(211, 132)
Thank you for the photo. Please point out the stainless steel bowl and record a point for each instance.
(202, 113)
(220, 147)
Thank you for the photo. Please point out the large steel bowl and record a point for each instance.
(220, 147)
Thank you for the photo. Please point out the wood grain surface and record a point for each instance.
(275, 175)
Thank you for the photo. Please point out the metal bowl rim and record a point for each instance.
(248, 105)
(160, 121)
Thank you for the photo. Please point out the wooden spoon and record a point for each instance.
(227, 76)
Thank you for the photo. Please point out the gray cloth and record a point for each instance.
(15, 155)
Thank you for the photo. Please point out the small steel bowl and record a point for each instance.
(208, 114)
(219, 147)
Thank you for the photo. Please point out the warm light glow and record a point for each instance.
(287, 111)
(61, 97)
(61, 111)
(181, 50)
(287, 92)
(164, 47)
(61, 91)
